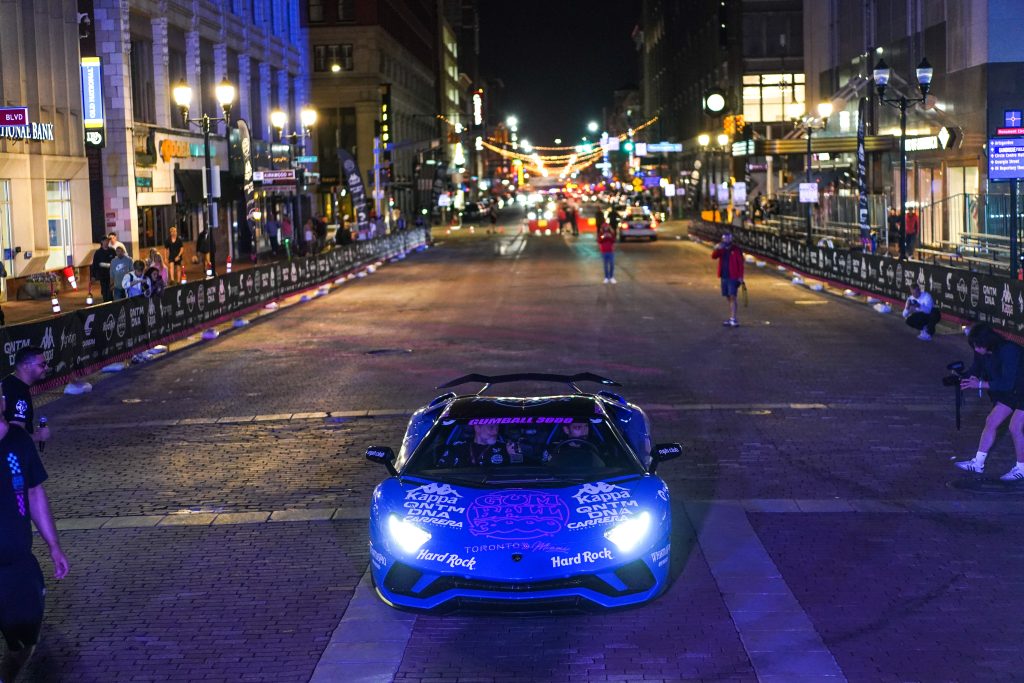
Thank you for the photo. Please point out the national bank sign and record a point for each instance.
(14, 125)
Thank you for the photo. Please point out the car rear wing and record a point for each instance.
(571, 380)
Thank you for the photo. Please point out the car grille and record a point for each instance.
(636, 576)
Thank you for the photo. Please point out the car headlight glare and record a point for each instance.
(409, 537)
(630, 533)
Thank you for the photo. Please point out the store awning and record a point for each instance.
(189, 182)
(831, 144)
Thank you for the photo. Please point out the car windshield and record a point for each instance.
(525, 450)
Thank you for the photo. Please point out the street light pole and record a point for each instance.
(279, 119)
(881, 75)
(809, 125)
(225, 97)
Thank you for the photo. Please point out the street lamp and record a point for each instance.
(881, 75)
(809, 125)
(307, 119)
(225, 93)
(704, 140)
(592, 127)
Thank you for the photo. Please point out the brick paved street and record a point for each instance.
(821, 423)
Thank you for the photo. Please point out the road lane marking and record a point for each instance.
(778, 636)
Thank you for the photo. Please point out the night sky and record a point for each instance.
(560, 61)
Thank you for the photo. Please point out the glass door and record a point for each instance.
(58, 223)
(6, 235)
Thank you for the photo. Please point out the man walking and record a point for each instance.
(730, 271)
(22, 588)
(100, 271)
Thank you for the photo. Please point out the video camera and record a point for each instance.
(956, 370)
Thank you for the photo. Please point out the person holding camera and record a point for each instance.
(999, 367)
(920, 312)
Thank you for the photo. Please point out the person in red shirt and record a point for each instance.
(730, 271)
(913, 223)
(606, 243)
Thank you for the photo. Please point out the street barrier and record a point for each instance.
(961, 293)
(79, 342)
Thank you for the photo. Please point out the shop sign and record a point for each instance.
(808, 193)
(35, 132)
(946, 138)
(144, 182)
(182, 149)
(306, 159)
(13, 116)
(92, 93)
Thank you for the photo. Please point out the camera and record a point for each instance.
(956, 369)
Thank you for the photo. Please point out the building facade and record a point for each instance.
(44, 176)
(978, 62)
(362, 54)
(151, 167)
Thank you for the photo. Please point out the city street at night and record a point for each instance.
(214, 502)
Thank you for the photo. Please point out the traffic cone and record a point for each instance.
(184, 278)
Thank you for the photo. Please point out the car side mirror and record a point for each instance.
(662, 452)
(382, 455)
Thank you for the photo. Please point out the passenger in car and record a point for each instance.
(487, 447)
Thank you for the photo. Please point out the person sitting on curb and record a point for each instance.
(999, 367)
(920, 312)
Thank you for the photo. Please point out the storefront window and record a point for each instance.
(6, 238)
(773, 97)
(58, 216)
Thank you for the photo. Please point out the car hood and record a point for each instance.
(522, 532)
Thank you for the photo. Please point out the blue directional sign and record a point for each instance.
(1006, 158)
(1012, 118)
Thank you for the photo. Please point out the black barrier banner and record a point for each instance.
(83, 338)
(972, 296)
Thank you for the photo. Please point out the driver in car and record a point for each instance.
(577, 440)
(488, 447)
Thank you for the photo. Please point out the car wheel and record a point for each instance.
(654, 238)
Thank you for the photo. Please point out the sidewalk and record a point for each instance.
(32, 310)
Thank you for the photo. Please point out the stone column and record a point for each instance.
(266, 133)
(113, 43)
(161, 74)
(244, 76)
(220, 71)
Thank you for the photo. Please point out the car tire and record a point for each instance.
(654, 238)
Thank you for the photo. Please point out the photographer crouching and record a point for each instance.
(920, 312)
(998, 367)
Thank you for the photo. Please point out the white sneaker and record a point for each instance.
(972, 465)
(1015, 474)
(924, 336)
(614, 281)
(606, 280)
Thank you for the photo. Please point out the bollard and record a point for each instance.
(55, 304)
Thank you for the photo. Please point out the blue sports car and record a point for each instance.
(548, 502)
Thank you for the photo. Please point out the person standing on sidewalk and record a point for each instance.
(29, 368)
(913, 225)
(175, 247)
(606, 243)
(22, 587)
(730, 271)
(119, 267)
(999, 367)
(100, 271)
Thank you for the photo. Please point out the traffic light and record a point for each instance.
(740, 123)
(385, 113)
(627, 146)
(729, 125)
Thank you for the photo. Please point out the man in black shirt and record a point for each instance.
(22, 590)
(100, 271)
(29, 368)
(487, 448)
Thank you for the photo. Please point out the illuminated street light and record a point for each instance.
(592, 126)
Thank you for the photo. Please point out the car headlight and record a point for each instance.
(630, 533)
(409, 537)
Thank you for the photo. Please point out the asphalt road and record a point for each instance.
(214, 501)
